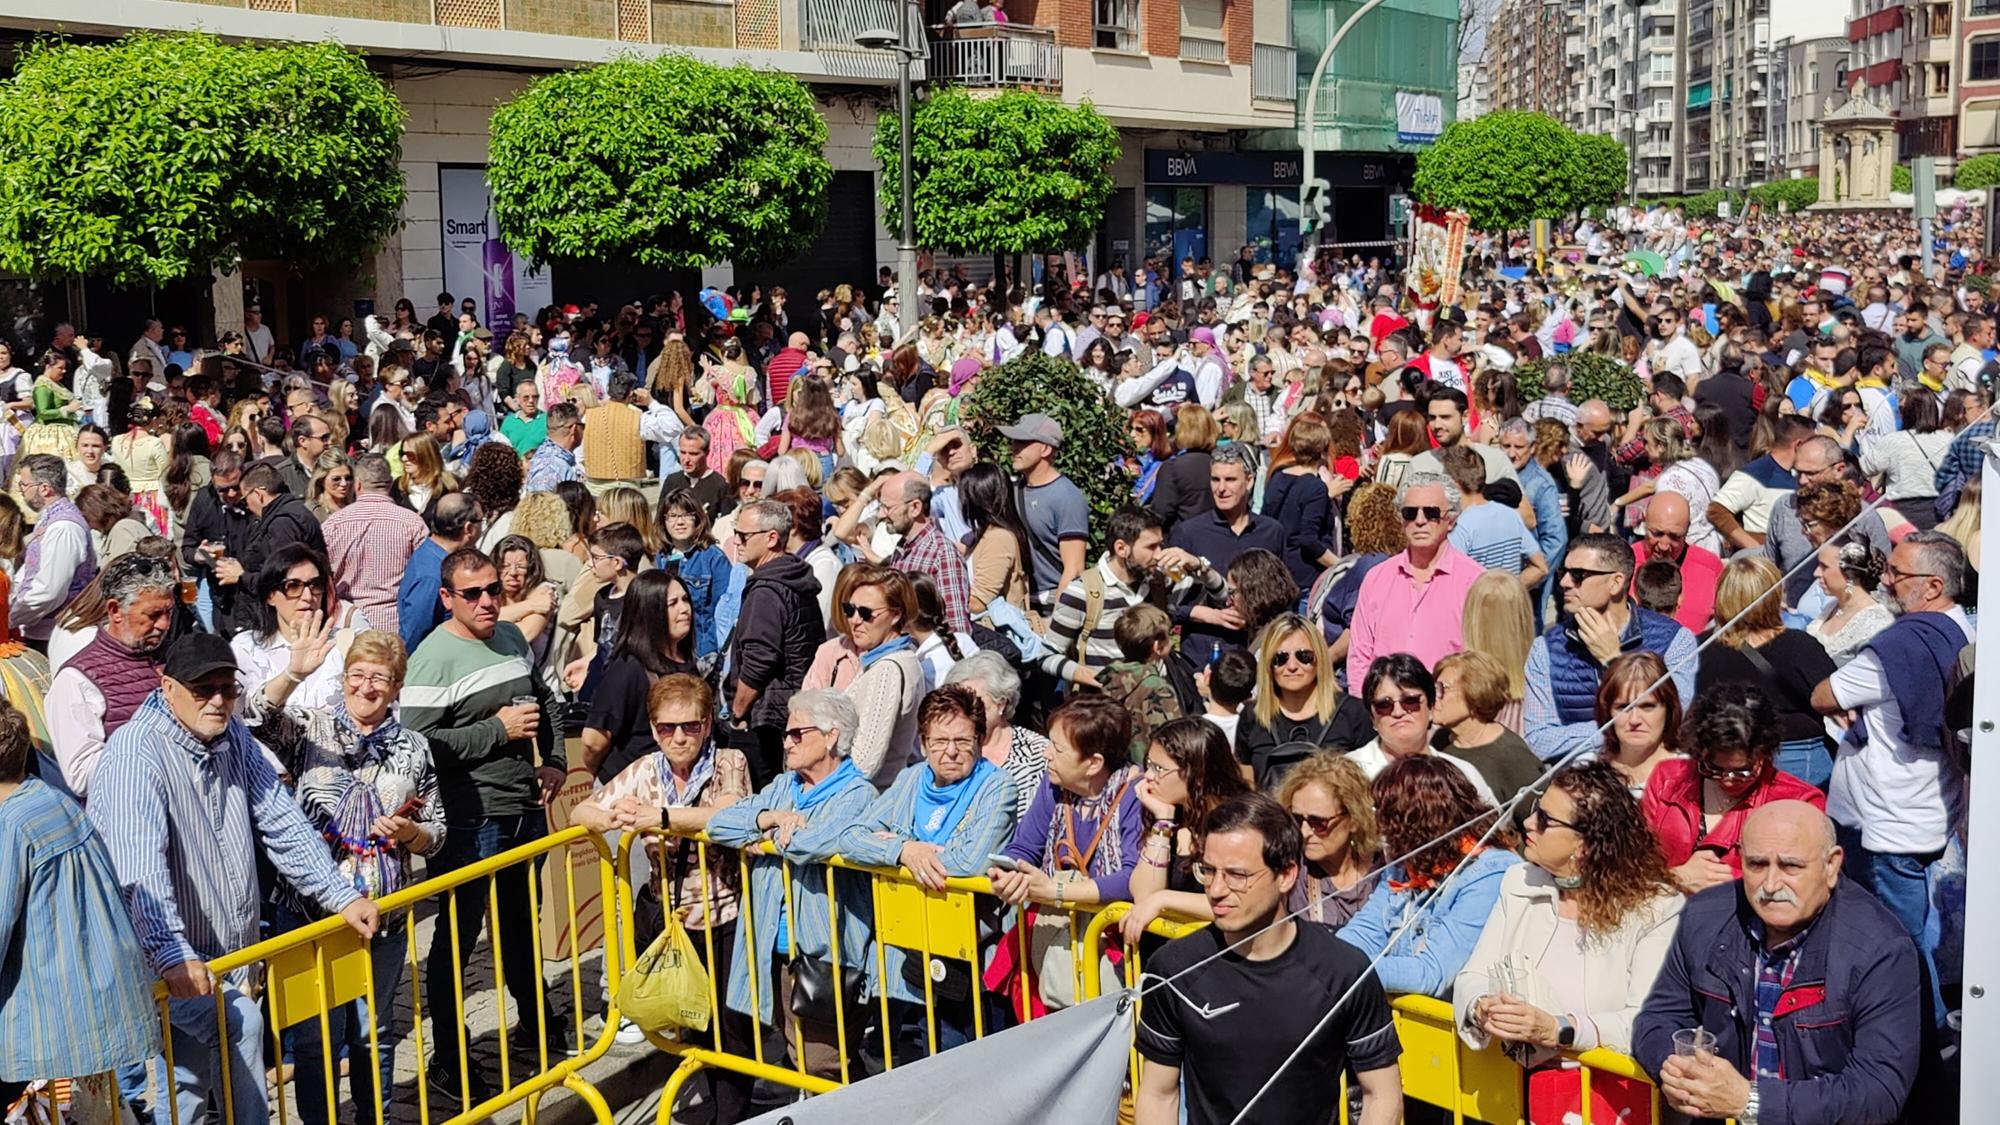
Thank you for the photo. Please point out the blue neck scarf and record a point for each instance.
(890, 647)
(702, 773)
(939, 808)
(806, 800)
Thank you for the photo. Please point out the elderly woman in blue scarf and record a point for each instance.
(938, 820)
(782, 938)
(369, 785)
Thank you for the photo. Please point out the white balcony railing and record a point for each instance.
(1196, 49)
(997, 54)
(1275, 72)
(831, 26)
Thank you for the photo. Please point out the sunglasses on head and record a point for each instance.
(1431, 513)
(865, 612)
(1283, 657)
(1410, 703)
(475, 593)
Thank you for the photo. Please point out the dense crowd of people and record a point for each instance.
(1405, 663)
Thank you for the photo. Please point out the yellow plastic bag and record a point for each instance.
(667, 986)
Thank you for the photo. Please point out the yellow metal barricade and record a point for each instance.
(309, 973)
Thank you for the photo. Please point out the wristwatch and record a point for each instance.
(1749, 1114)
(1565, 1033)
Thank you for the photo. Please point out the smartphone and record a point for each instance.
(1006, 862)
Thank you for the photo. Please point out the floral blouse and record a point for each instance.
(719, 779)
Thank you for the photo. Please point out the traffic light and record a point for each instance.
(1315, 205)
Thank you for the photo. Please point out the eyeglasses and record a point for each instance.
(1155, 769)
(1234, 880)
(1578, 575)
(663, 731)
(864, 612)
(599, 556)
(744, 536)
(475, 593)
(1410, 702)
(1431, 513)
(1303, 655)
(1318, 825)
(293, 587)
(225, 689)
(1713, 772)
(1542, 820)
(952, 745)
(1891, 576)
(798, 734)
(369, 680)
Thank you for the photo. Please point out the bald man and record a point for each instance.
(1667, 518)
(1810, 987)
(788, 362)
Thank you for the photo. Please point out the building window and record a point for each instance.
(1940, 81)
(1116, 24)
(1986, 7)
(1985, 62)
(1271, 223)
(1177, 223)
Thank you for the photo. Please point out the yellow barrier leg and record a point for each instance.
(222, 1040)
(417, 1025)
(500, 985)
(599, 1110)
(172, 1086)
(672, 1092)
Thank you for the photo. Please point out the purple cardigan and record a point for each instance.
(1032, 836)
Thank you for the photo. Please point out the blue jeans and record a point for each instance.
(198, 1048)
(347, 1029)
(1902, 883)
(466, 843)
(1807, 759)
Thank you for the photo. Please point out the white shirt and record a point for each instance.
(259, 662)
(64, 645)
(258, 340)
(1056, 340)
(74, 708)
(1680, 356)
(1208, 376)
(36, 603)
(1373, 760)
(1903, 799)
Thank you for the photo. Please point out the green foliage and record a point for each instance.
(1590, 376)
(1601, 166)
(1901, 179)
(667, 161)
(1978, 172)
(1797, 195)
(159, 157)
(1979, 282)
(1015, 174)
(1096, 433)
(1505, 169)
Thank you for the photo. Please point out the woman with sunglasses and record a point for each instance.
(1420, 927)
(679, 778)
(1189, 771)
(1696, 805)
(1400, 692)
(878, 605)
(1329, 798)
(281, 660)
(1580, 931)
(1298, 707)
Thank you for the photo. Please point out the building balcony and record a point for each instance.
(1197, 49)
(1275, 72)
(829, 27)
(1663, 150)
(1656, 185)
(997, 55)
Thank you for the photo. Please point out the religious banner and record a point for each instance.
(1437, 254)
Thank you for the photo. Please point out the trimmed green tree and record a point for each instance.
(1013, 174)
(1599, 175)
(1978, 172)
(1096, 433)
(1503, 170)
(1591, 376)
(1797, 195)
(666, 161)
(160, 157)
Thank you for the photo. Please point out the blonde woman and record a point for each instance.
(543, 519)
(424, 475)
(1681, 472)
(1783, 663)
(671, 376)
(1963, 524)
(1329, 798)
(1500, 623)
(1298, 706)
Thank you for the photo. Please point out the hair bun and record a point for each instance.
(1862, 564)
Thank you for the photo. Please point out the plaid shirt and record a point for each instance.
(369, 544)
(1774, 975)
(929, 552)
(1636, 448)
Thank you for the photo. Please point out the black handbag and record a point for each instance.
(812, 989)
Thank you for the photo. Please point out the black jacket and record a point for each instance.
(777, 632)
(1737, 398)
(1181, 489)
(211, 520)
(285, 522)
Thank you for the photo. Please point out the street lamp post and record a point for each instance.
(1308, 129)
(906, 243)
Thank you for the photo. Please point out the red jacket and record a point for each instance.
(1672, 808)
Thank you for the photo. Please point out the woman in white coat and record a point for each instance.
(1580, 931)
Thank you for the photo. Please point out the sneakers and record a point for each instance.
(444, 1083)
(629, 1034)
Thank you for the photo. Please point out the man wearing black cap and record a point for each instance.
(184, 798)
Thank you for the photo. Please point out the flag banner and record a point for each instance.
(1069, 1066)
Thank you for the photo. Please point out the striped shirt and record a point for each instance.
(78, 999)
(369, 544)
(183, 820)
(452, 695)
(1066, 651)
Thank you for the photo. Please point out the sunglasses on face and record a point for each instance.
(1541, 819)
(1303, 655)
(475, 593)
(293, 587)
(798, 734)
(1431, 513)
(1318, 825)
(226, 689)
(1578, 575)
(1409, 703)
(1713, 772)
(865, 613)
(663, 731)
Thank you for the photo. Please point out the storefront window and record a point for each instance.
(1177, 224)
(1271, 223)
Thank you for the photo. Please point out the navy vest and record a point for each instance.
(1574, 672)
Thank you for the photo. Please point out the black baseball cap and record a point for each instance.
(196, 655)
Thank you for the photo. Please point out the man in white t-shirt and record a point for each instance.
(257, 342)
(1672, 350)
(1897, 789)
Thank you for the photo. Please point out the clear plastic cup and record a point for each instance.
(1694, 1042)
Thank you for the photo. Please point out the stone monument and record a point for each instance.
(1857, 155)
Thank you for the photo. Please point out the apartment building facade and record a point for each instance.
(1173, 75)
(1806, 77)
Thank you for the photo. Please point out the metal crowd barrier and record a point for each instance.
(309, 972)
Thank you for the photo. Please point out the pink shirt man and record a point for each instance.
(1396, 614)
